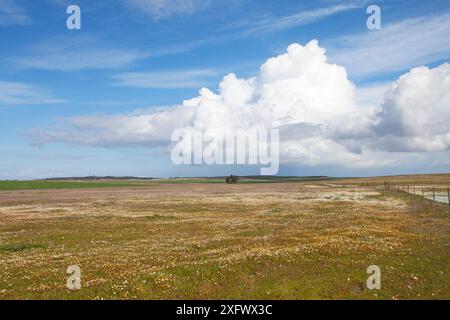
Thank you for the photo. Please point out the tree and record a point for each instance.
(232, 179)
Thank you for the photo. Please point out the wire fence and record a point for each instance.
(440, 194)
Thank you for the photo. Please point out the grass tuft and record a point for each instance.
(17, 247)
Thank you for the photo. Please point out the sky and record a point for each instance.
(104, 99)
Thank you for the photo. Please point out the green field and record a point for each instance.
(71, 184)
(45, 184)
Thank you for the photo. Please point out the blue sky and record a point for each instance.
(133, 55)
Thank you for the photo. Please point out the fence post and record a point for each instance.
(414, 188)
(423, 193)
(448, 195)
(434, 197)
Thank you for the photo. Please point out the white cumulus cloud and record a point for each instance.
(415, 115)
(312, 102)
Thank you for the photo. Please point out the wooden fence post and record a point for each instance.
(434, 197)
(448, 195)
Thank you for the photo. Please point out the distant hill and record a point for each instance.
(95, 178)
(286, 177)
(242, 178)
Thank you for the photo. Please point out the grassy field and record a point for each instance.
(76, 184)
(417, 179)
(293, 240)
(61, 184)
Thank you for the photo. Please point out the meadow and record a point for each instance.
(301, 239)
(111, 183)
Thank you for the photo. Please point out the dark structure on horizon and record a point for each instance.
(232, 179)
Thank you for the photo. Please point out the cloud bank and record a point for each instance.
(311, 101)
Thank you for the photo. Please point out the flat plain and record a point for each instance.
(290, 240)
